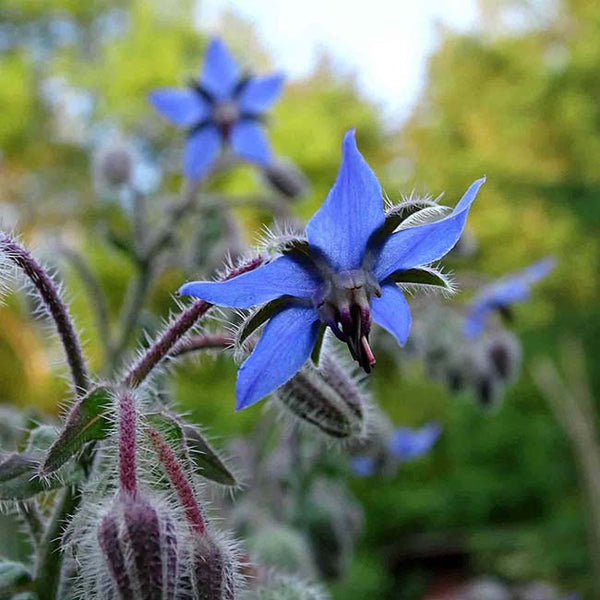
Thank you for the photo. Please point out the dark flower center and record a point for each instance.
(343, 302)
(224, 115)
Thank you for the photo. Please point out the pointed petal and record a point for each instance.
(363, 466)
(260, 92)
(220, 73)
(201, 150)
(352, 211)
(285, 345)
(421, 245)
(249, 141)
(184, 107)
(392, 312)
(282, 277)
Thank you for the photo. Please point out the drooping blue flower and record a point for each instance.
(406, 443)
(222, 108)
(344, 277)
(501, 294)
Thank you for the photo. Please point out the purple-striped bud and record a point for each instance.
(327, 397)
(139, 544)
(286, 178)
(213, 571)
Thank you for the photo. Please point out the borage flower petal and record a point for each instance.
(249, 141)
(282, 277)
(220, 73)
(391, 311)
(502, 293)
(423, 244)
(351, 213)
(259, 93)
(183, 107)
(285, 345)
(406, 444)
(201, 151)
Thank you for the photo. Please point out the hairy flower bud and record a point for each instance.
(212, 569)
(113, 166)
(139, 545)
(327, 397)
(286, 178)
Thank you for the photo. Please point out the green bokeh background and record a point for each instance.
(519, 105)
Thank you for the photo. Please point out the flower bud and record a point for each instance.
(212, 569)
(326, 397)
(113, 166)
(139, 545)
(282, 547)
(286, 178)
(504, 353)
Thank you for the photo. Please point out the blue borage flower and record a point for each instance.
(343, 277)
(501, 294)
(405, 444)
(222, 108)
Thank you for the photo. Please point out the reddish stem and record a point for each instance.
(202, 342)
(127, 442)
(179, 481)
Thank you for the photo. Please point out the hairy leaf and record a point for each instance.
(13, 574)
(87, 421)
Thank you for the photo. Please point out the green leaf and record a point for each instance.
(19, 478)
(256, 319)
(194, 445)
(423, 276)
(87, 421)
(13, 574)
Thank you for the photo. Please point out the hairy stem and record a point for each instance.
(127, 442)
(28, 510)
(50, 296)
(179, 481)
(164, 344)
(202, 342)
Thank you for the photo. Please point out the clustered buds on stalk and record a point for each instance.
(137, 537)
(113, 166)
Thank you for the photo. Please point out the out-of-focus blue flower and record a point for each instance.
(406, 443)
(363, 466)
(343, 278)
(502, 293)
(222, 108)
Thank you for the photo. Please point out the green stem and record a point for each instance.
(50, 550)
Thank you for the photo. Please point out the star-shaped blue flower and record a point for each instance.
(501, 294)
(222, 108)
(343, 278)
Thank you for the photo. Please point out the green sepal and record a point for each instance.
(256, 319)
(396, 215)
(422, 276)
(88, 420)
(192, 444)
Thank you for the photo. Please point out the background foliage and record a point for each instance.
(519, 104)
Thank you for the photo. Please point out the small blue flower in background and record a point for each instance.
(343, 279)
(499, 295)
(363, 466)
(221, 108)
(405, 444)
